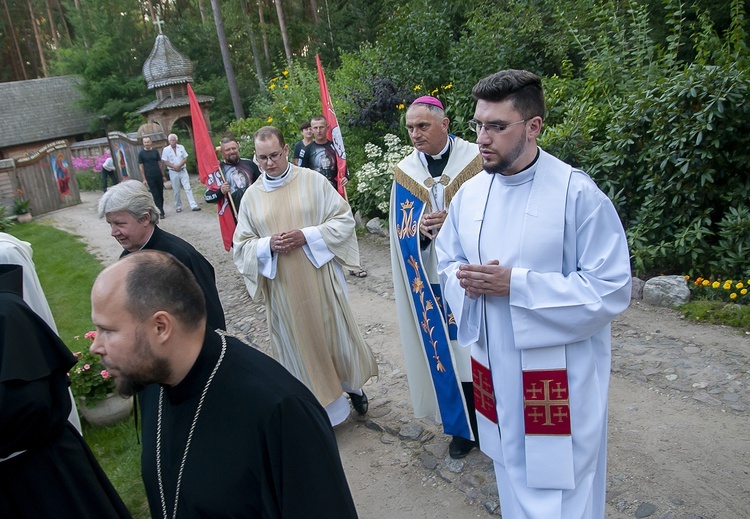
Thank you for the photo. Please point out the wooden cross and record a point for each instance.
(159, 23)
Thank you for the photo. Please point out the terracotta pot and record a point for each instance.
(109, 411)
(24, 218)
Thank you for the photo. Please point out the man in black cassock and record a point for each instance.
(132, 216)
(227, 431)
(46, 468)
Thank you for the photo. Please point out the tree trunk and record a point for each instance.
(151, 13)
(80, 13)
(202, 11)
(263, 32)
(225, 56)
(330, 30)
(282, 29)
(52, 25)
(314, 7)
(15, 40)
(253, 45)
(39, 46)
(64, 22)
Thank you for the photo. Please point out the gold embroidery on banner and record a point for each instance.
(417, 287)
(408, 226)
(547, 403)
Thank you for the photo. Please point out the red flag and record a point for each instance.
(334, 132)
(208, 168)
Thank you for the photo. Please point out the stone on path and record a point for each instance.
(666, 291)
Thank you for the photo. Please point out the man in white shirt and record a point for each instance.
(175, 157)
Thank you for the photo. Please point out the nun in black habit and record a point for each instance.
(46, 468)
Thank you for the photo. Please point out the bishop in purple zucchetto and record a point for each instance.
(428, 100)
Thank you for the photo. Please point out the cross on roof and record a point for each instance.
(159, 23)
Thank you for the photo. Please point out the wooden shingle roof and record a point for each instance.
(42, 109)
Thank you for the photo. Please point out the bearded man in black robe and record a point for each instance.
(227, 431)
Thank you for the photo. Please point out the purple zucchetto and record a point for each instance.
(428, 100)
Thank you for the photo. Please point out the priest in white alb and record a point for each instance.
(535, 265)
(294, 237)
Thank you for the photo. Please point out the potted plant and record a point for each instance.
(21, 207)
(94, 389)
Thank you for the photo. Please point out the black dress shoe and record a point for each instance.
(460, 447)
(359, 402)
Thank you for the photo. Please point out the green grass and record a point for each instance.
(67, 271)
(717, 312)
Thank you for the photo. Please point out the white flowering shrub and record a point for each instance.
(375, 178)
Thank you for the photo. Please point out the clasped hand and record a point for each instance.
(488, 279)
(288, 241)
(431, 223)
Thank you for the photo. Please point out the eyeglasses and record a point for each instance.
(493, 128)
(272, 157)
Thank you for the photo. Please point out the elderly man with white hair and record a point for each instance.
(132, 215)
(175, 158)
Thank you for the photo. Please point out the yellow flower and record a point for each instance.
(274, 79)
(285, 72)
(448, 86)
(733, 295)
(418, 88)
(283, 108)
(434, 92)
(270, 119)
(739, 285)
(400, 106)
(715, 284)
(705, 282)
(286, 86)
(743, 291)
(271, 86)
(727, 286)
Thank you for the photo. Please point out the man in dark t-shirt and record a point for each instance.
(152, 171)
(320, 155)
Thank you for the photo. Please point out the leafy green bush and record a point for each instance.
(667, 140)
(375, 178)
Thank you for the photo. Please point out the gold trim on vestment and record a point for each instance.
(451, 186)
(471, 169)
(411, 185)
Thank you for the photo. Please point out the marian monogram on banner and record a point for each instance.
(546, 402)
(408, 226)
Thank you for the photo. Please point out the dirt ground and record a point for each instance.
(679, 434)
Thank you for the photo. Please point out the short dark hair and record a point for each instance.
(522, 87)
(319, 118)
(159, 281)
(304, 126)
(227, 140)
(266, 132)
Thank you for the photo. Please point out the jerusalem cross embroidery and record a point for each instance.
(484, 393)
(546, 402)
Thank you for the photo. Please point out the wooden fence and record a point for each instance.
(45, 178)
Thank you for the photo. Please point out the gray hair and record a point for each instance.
(131, 196)
(172, 135)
